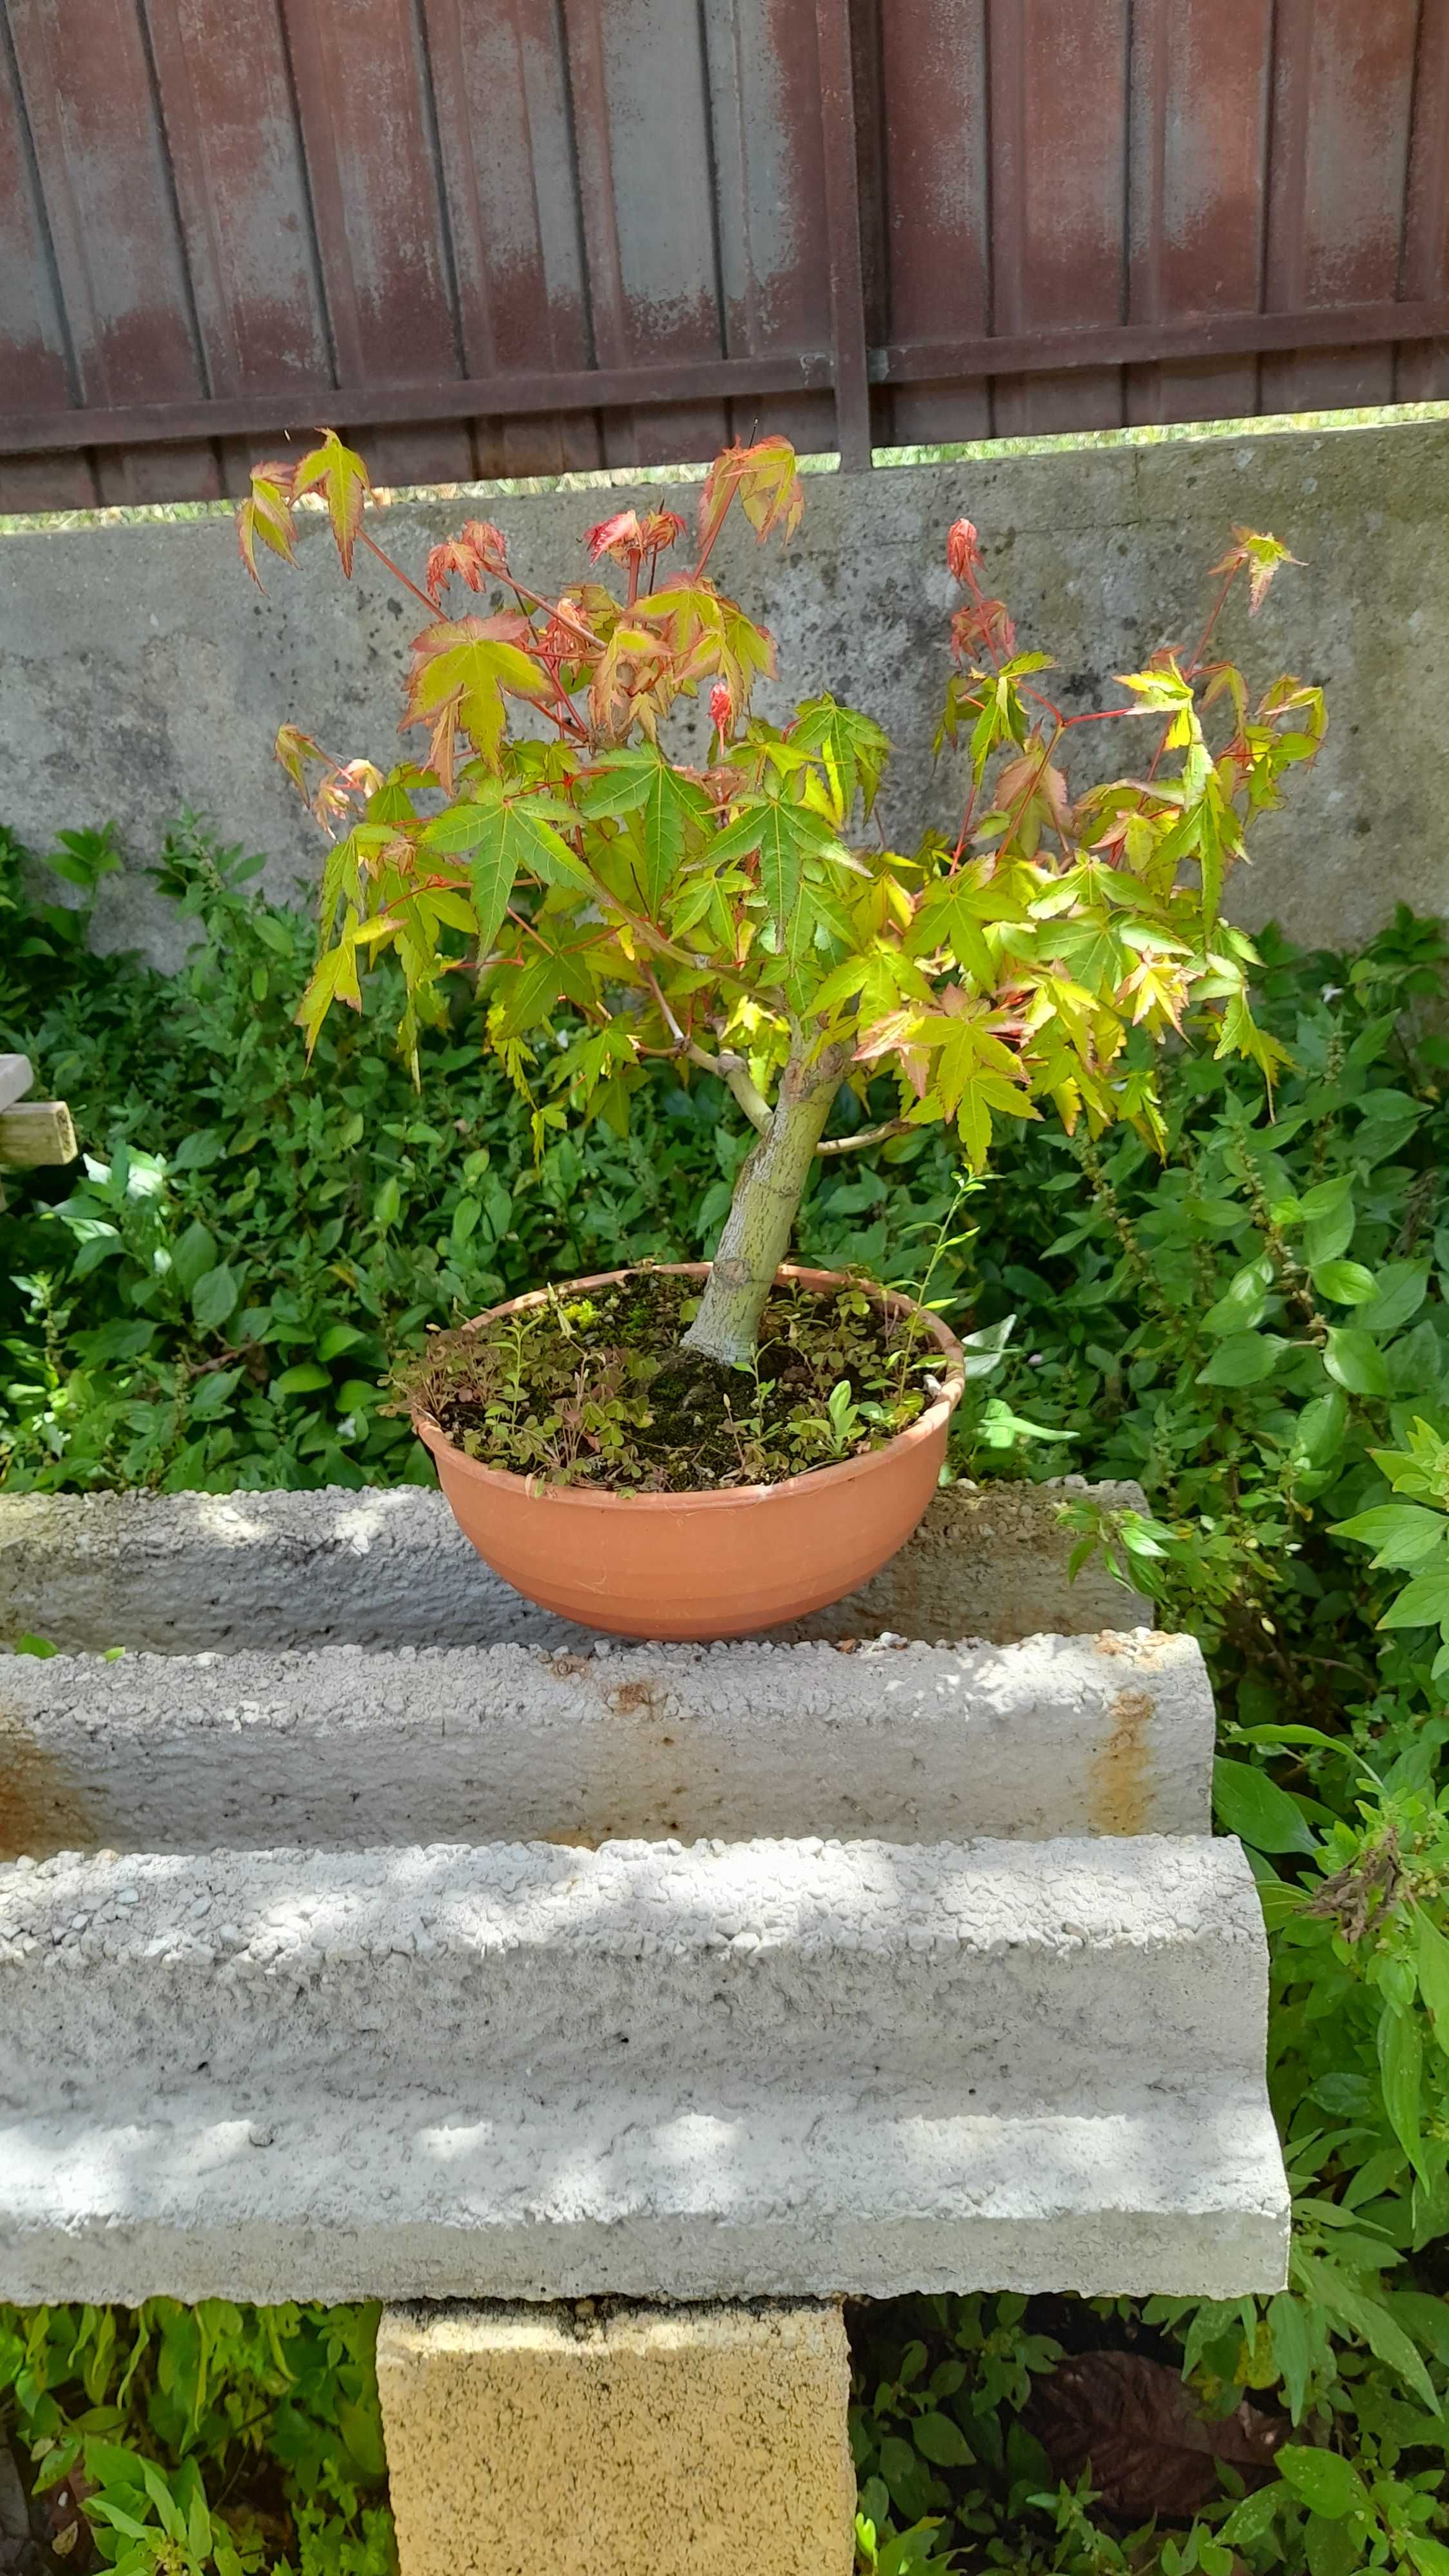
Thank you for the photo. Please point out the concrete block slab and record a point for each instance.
(759, 2069)
(1057, 1735)
(190, 1573)
(599, 2442)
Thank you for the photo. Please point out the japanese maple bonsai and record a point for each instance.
(717, 912)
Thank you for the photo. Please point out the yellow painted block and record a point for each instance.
(604, 2440)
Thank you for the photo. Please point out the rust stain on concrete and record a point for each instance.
(1118, 1788)
(41, 1809)
(628, 1698)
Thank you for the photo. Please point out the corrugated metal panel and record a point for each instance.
(492, 236)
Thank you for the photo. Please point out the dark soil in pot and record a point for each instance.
(593, 1388)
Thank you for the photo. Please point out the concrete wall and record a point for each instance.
(140, 670)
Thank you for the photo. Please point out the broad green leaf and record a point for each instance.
(1424, 1603)
(195, 1253)
(1330, 2484)
(1429, 2556)
(1365, 2315)
(1355, 1361)
(1241, 1305)
(1292, 2350)
(337, 1339)
(617, 785)
(1400, 1533)
(1346, 1282)
(210, 1395)
(1332, 2548)
(1322, 1425)
(1330, 1234)
(941, 2441)
(215, 1296)
(1253, 2519)
(1401, 2071)
(1326, 1198)
(1389, 1108)
(1243, 1359)
(1252, 1806)
(306, 1378)
(1400, 1288)
(1432, 1961)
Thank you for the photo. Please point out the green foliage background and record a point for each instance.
(1252, 1329)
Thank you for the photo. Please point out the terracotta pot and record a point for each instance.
(707, 1564)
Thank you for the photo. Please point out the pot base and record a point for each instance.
(691, 1567)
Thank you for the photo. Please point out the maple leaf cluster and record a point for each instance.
(620, 881)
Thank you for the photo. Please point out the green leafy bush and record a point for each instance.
(1255, 1327)
(211, 1302)
(172, 2441)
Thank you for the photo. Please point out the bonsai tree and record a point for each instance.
(722, 911)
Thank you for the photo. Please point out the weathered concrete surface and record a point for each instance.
(751, 2069)
(607, 2442)
(140, 670)
(192, 1573)
(1058, 1735)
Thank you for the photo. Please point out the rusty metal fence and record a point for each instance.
(520, 236)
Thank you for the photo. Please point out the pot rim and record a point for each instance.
(503, 1480)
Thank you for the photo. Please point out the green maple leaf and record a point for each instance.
(469, 663)
(645, 784)
(339, 474)
(502, 836)
(550, 969)
(851, 749)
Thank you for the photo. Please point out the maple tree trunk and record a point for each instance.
(761, 1220)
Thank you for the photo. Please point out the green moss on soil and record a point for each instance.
(595, 1389)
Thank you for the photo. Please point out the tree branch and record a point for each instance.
(730, 1068)
(866, 1136)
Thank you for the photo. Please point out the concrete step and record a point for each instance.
(730, 2070)
(185, 1573)
(1108, 1734)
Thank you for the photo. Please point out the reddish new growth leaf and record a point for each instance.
(721, 708)
(479, 551)
(963, 554)
(626, 538)
(984, 627)
(619, 537)
(1262, 555)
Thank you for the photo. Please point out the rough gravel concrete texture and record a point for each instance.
(140, 671)
(185, 1573)
(1058, 1735)
(698, 2441)
(753, 2069)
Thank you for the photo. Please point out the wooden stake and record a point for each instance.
(36, 1131)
